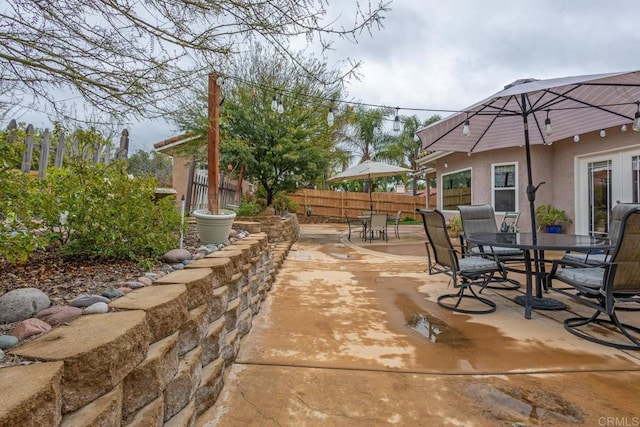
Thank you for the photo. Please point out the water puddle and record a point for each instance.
(425, 327)
(341, 256)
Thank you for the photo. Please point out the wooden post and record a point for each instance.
(213, 143)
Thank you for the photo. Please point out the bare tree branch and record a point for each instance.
(127, 58)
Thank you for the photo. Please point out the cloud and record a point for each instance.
(448, 55)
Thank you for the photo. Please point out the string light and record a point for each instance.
(274, 104)
(396, 121)
(603, 133)
(576, 138)
(636, 121)
(623, 128)
(547, 125)
(330, 117)
(466, 130)
(280, 106)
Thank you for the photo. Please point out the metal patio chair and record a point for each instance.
(396, 223)
(607, 288)
(355, 225)
(481, 219)
(596, 258)
(378, 226)
(465, 272)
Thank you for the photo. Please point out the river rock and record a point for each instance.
(112, 293)
(21, 304)
(85, 300)
(145, 280)
(99, 307)
(59, 314)
(8, 341)
(30, 327)
(176, 255)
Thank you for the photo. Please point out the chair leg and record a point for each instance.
(459, 298)
(573, 323)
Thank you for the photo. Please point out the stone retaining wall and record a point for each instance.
(159, 356)
(278, 229)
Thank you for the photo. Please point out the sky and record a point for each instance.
(435, 56)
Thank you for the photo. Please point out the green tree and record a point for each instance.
(406, 146)
(129, 57)
(365, 138)
(143, 163)
(281, 151)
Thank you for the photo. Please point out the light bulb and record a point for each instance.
(274, 104)
(220, 81)
(416, 138)
(576, 138)
(280, 107)
(547, 127)
(623, 128)
(330, 117)
(446, 165)
(396, 122)
(466, 131)
(603, 133)
(636, 122)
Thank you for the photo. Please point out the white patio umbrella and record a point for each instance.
(367, 170)
(529, 112)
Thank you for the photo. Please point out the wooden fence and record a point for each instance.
(338, 204)
(98, 152)
(198, 188)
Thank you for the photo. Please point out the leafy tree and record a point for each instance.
(364, 138)
(143, 163)
(128, 57)
(281, 151)
(405, 148)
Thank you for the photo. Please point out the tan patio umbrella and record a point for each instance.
(548, 110)
(367, 170)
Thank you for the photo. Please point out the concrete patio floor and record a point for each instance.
(352, 335)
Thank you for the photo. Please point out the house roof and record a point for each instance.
(167, 145)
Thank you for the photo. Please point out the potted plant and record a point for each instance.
(214, 224)
(551, 218)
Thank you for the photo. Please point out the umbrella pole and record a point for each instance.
(538, 257)
(370, 194)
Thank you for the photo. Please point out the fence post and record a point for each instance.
(59, 151)
(13, 126)
(44, 153)
(28, 152)
(123, 151)
(96, 153)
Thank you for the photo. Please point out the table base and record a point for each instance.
(541, 303)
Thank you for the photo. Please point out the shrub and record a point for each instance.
(249, 209)
(19, 235)
(98, 211)
(455, 224)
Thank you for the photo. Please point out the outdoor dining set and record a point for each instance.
(371, 225)
(603, 273)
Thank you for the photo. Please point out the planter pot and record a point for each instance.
(214, 228)
(554, 229)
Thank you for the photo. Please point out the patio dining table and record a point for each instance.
(533, 247)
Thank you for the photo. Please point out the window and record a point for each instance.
(504, 187)
(456, 189)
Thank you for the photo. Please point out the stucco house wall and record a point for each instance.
(556, 165)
